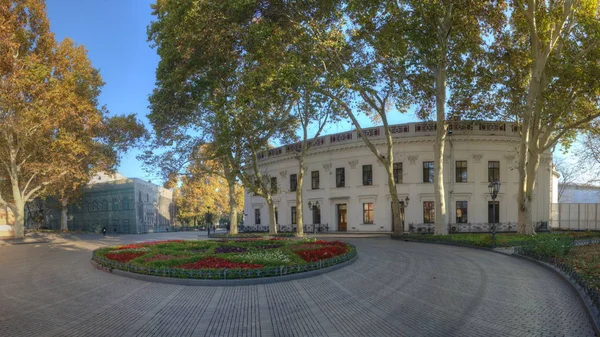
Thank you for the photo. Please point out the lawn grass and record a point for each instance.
(502, 239)
(585, 260)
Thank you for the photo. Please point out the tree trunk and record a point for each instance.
(527, 216)
(439, 149)
(299, 187)
(397, 227)
(64, 215)
(271, 206)
(19, 229)
(232, 210)
(19, 209)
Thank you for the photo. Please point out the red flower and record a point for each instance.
(321, 253)
(124, 257)
(143, 244)
(218, 263)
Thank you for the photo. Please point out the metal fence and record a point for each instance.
(575, 216)
(475, 227)
(308, 228)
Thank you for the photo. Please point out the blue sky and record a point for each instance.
(114, 34)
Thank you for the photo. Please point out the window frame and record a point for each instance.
(463, 207)
(459, 170)
(497, 214)
(367, 175)
(293, 182)
(493, 172)
(314, 178)
(257, 216)
(398, 172)
(428, 171)
(340, 179)
(294, 215)
(316, 215)
(273, 185)
(428, 212)
(368, 211)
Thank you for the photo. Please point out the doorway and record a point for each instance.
(342, 218)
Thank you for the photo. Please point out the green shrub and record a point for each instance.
(551, 246)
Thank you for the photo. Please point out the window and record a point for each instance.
(398, 173)
(293, 182)
(428, 212)
(257, 216)
(293, 215)
(367, 175)
(461, 212)
(427, 171)
(273, 185)
(340, 177)
(368, 213)
(314, 180)
(125, 203)
(493, 211)
(316, 215)
(276, 216)
(493, 171)
(461, 171)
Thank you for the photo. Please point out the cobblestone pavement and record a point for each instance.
(394, 289)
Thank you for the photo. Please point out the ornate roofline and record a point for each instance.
(411, 132)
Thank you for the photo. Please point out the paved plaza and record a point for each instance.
(395, 288)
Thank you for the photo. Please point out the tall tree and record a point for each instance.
(447, 44)
(207, 94)
(549, 61)
(363, 60)
(49, 112)
(316, 110)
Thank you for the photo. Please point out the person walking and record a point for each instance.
(103, 231)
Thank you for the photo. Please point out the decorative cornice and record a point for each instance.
(401, 141)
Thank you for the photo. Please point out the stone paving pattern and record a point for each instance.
(395, 288)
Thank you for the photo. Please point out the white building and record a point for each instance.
(343, 176)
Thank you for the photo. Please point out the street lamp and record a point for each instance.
(312, 207)
(494, 188)
(404, 205)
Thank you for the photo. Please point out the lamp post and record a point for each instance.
(494, 188)
(404, 205)
(312, 207)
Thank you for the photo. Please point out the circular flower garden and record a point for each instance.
(225, 259)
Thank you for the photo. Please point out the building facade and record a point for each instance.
(349, 185)
(119, 204)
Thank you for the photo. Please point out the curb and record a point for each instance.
(592, 312)
(11, 243)
(224, 283)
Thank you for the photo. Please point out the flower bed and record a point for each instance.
(225, 259)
